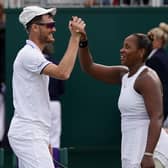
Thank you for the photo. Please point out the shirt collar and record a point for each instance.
(152, 53)
(32, 44)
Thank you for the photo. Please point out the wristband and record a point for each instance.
(83, 44)
(148, 154)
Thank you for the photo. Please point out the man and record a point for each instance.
(29, 129)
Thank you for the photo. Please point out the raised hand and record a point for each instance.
(77, 26)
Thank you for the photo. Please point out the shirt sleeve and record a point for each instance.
(34, 61)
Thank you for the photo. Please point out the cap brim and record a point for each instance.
(51, 10)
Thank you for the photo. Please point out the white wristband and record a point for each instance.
(148, 154)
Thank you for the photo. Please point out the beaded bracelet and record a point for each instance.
(83, 44)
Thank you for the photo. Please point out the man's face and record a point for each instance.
(46, 29)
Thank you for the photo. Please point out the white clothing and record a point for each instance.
(32, 153)
(152, 53)
(161, 150)
(55, 129)
(131, 103)
(30, 90)
(32, 116)
(165, 125)
(134, 122)
(2, 117)
(158, 164)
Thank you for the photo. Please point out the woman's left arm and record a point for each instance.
(149, 86)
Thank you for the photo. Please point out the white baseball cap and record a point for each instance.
(31, 12)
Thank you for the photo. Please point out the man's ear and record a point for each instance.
(34, 27)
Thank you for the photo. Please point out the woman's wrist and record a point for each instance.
(148, 154)
(83, 40)
(83, 36)
(83, 43)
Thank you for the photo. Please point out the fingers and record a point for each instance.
(77, 24)
(76, 19)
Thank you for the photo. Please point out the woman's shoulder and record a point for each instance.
(148, 75)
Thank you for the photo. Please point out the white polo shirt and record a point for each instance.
(32, 117)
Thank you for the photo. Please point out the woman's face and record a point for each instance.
(157, 37)
(130, 53)
(158, 43)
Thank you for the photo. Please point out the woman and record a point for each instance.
(140, 100)
(158, 59)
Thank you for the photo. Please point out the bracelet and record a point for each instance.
(83, 44)
(148, 154)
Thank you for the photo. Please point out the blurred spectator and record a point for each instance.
(116, 2)
(15, 3)
(165, 2)
(90, 3)
(156, 3)
(2, 70)
(106, 2)
(143, 2)
(126, 2)
(56, 90)
(136, 2)
(158, 59)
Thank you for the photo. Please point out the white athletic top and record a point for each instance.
(134, 122)
(131, 103)
(32, 117)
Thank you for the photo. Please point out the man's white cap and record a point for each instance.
(31, 12)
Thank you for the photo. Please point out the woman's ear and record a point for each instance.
(142, 53)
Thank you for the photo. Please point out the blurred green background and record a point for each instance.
(90, 116)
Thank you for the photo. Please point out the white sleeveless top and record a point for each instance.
(131, 103)
(134, 122)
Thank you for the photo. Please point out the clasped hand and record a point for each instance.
(77, 26)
